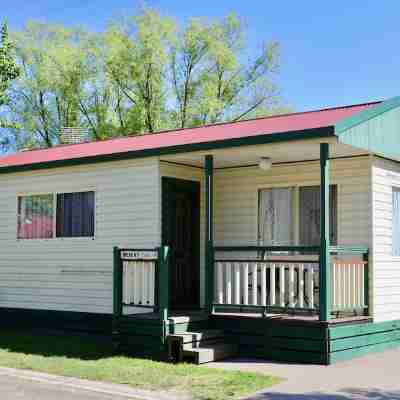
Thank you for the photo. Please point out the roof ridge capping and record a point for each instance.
(365, 115)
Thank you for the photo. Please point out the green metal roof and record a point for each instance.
(376, 129)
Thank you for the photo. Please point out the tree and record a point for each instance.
(143, 74)
(9, 71)
(210, 82)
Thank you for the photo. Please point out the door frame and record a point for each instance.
(167, 185)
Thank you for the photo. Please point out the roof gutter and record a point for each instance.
(315, 133)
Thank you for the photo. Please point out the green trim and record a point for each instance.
(310, 249)
(117, 284)
(209, 223)
(324, 259)
(363, 116)
(366, 282)
(347, 342)
(315, 133)
(163, 282)
(364, 250)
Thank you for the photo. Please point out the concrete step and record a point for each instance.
(211, 353)
(190, 340)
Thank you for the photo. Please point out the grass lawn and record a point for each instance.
(81, 358)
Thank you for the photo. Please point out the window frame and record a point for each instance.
(394, 189)
(296, 206)
(54, 194)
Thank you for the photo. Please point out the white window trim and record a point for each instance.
(397, 188)
(54, 194)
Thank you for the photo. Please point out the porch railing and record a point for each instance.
(286, 279)
(137, 273)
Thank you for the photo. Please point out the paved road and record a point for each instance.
(13, 388)
(374, 377)
(28, 385)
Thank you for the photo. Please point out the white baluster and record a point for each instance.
(263, 284)
(291, 285)
(362, 291)
(310, 285)
(237, 283)
(282, 285)
(151, 283)
(272, 299)
(228, 286)
(354, 279)
(334, 285)
(144, 283)
(344, 287)
(301, 285)
(254, 284)
(136, 282)
(246, 284)
(220, 284)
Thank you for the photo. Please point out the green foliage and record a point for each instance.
(8, 72)
(143, 74)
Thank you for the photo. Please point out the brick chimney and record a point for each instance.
(73, 135)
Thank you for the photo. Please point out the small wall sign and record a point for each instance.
(133, 255)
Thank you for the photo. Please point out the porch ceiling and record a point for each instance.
(293, 151)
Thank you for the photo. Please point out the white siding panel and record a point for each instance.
(386, 279)
(75, 274)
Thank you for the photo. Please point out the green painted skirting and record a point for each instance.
(281, 340)
(347, 342)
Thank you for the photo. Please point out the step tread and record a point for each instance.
(206, 334)
(215, 352)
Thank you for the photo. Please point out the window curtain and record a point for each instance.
(396, 223)
(75, 214)
(310, 215)
(276, 217)
(35, 217)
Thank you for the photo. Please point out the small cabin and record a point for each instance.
(275, 237)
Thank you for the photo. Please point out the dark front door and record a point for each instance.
(181, 231)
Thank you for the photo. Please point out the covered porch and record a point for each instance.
(295, 281)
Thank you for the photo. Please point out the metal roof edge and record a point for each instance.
(312, 133)
(365, 115)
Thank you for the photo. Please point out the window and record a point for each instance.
(396, 222)
(75, 214)
(309, 215)
(35, 217)
(62, 215)
(277, 225)
(276, 217)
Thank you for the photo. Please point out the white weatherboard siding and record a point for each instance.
(75, 274)
(386, 278)
(194, 174)
(236, 198)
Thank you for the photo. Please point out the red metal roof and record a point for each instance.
(210, 133)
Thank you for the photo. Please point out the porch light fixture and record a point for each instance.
(265, 163)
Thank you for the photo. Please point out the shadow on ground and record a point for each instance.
(345, 394)
(61, 344)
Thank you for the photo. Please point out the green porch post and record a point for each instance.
(324, 263)
(209, 242)
(117, 285)
(163, 282)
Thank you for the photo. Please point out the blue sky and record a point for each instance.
(333, 52)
